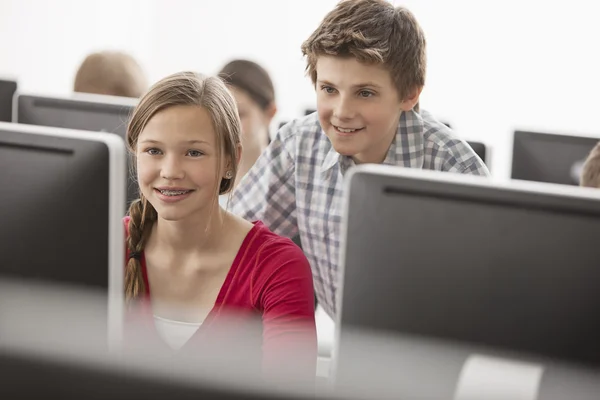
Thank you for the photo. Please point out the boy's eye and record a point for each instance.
(328, 89)
(195, 153)
(153, 151)
(365, 93)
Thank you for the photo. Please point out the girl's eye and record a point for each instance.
(195, 153)
(153, 151)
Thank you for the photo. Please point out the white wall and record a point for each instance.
(210, 33)
(499, 65)
(493, 65)
(42, 42)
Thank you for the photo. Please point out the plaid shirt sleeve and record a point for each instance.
(267, 192)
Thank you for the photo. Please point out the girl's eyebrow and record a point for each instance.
(195, 141)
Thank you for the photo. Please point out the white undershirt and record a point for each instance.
(223, 201)
(175, 333)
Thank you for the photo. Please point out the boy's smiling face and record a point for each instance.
(359, 107)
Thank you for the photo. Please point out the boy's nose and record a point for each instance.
(344, 110)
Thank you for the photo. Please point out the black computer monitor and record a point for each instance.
(80, 111)
(61, 208)
(546, 157)
(510, 265)
(7, 91)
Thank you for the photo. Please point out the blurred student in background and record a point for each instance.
(254, 93)
(590, 174)
(111, 73)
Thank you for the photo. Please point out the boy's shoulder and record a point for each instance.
(304, 137)
(438, 136)
(307, 127)
(445, 151)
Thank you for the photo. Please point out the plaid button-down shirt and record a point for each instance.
(296, 185)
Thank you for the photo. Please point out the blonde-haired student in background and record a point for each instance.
(113, 73)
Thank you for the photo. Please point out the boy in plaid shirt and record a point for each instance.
(367, 61)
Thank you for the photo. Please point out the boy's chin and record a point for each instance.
(346, 147)
(344, 151)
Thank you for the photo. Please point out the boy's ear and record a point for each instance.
(412, 99)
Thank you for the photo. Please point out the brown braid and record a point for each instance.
(142, 216)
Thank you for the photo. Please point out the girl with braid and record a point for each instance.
(190, 262)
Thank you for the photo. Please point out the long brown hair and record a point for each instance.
(184, 88)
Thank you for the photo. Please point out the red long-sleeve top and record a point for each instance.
(270, 281)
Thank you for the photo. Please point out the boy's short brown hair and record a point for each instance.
(374, 32)
(590, 174)
(111, 73)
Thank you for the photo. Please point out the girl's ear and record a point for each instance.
(229, 163)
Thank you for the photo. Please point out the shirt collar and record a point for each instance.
(407, 148)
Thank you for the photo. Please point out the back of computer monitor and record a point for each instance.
(47, 366)
(34, 377)
(445, 256)
(80, 111)
(546, 157)
(66, 361)
(7, 91)
(62, 207)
